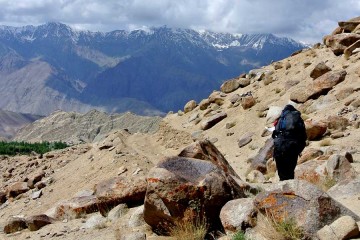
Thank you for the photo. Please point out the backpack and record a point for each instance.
(290, 125)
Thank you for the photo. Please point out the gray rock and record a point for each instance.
(117, 212)
(245, 139)
(212, 121)
(36, 195)
(95, 221)
(137, 217)
(238, 215)
(344, 227)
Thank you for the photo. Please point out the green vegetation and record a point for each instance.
(24, 148)
(240, 235)
(288, 229)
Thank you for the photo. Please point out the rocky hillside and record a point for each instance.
(75, 128)
(210, 159)
(11, 122)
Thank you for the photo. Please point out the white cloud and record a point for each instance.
(306, 20)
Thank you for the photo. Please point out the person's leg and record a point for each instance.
(285, 156)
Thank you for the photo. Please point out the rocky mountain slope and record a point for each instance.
(11, 122)
(232, 149)
(52, 67)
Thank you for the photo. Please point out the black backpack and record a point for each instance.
(290, 125)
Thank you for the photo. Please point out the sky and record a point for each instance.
(303, 20)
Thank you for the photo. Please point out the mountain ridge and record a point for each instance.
(146, 72)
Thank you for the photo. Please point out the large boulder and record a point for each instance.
(230, 86)
(182, 187)
(302, 202)
(117, 190)
(339, 42)
(320, 86)
(205, 150)
(74, 208)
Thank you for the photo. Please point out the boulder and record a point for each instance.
(309, 154)
(96, 221)
(245, 139)
(247, 102)
(212, 121)
(234, 98)
(117, 212)
(349, 25)
(238, 215)
(345, 189)
(243, 82)
(349, 50)
(117, 190)
(302, 202)
(315, 129)
(32, 180)
(339, 168)
(180, 187)
(205, 150)
(36, 222)
(189, 106)
(74, 208)
(344, 227)
(339, 42)
(17, 188)
(204, 104)
(266, 152)
(14, 224)
(320, 86)
(230, 86)
(319, 70)
(313, 171)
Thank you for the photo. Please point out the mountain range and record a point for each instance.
(149, 72)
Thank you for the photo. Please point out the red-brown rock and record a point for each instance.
(180, 188)
(17, 188)
(307, 205)
(36, 222)
(117, 190)
(315, 129)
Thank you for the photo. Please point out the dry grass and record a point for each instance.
(189, 228)
(285, 229)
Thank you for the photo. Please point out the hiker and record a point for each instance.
(289, 141)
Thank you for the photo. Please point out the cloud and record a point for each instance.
(306, 20)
